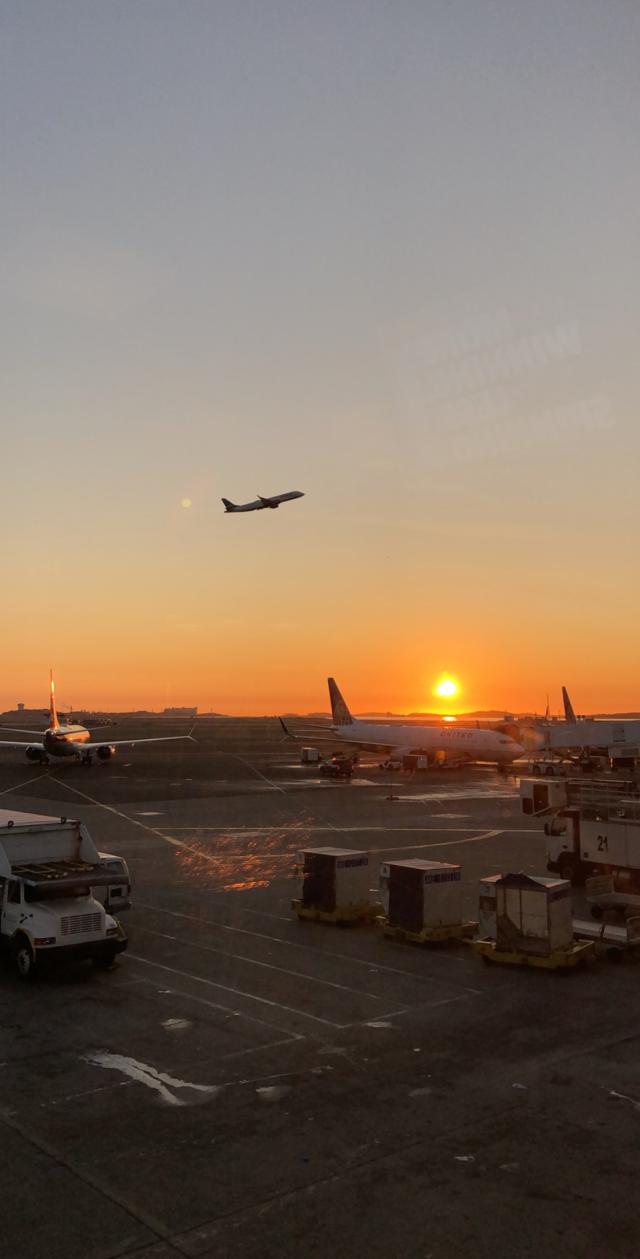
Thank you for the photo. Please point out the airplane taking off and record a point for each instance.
(60, 741)
(261, 502)
(457, 742)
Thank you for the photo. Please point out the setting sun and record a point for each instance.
(446, 688)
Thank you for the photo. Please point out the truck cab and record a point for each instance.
(49, 868)
(116, 895)
(53, 922)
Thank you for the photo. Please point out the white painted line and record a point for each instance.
(252, 961)
(302, 829)
(420, 977)
(289, 1038)
(8, 791)
(450, 843)
(259, 773)
(238, 992)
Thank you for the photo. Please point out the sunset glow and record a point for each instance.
(446, 689)
(244, 280)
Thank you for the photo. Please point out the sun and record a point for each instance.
(446, 688)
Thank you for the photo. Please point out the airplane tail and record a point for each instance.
(568, 706)
(339, 711)
(53, 716)
(229, 506)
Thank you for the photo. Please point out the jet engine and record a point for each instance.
(34, 754)
(105, 752)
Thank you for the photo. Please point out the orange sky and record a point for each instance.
(389, 262)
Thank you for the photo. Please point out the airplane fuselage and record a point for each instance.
(583, 736)
(474, 745)
(63, 740)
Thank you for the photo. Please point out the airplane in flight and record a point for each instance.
(60, 741)
(436, 742)
(262, 501)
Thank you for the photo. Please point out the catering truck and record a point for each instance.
(580, 847)
(48, 870)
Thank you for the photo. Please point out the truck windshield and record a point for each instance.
(56, 893)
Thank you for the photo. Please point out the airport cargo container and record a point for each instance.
(487, 907)
(419, 894)
(48, 869)
(333, 878)
(533, 914)
(309, 756)
(411, 762)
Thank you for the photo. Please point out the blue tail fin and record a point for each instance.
(339, 710)
(568, 706)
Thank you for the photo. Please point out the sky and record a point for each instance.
(380, 251)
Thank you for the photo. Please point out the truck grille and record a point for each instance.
(81, 924)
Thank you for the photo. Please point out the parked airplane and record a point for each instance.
(70, 740)
(569, 714)
(453, 741)
(582, 737)
(261, 502)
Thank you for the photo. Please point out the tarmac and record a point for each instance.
(241, 1083)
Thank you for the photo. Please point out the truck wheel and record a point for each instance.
(597, 912)
(23, 959)
(567, 868)
(104, 960)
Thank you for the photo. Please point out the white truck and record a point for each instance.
(48, 870)
(579, 847)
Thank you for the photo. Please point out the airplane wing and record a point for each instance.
(10, 743)
(326, 732)
(130, 743)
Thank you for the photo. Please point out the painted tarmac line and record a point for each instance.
(449, 843)
(258, 773)
(289, 1038)
(372, 965)
(302, 830)
(8, 791)
(238, 992)
(252, 961)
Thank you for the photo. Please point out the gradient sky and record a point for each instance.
(384, 252)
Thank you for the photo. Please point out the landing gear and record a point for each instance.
(86, 758)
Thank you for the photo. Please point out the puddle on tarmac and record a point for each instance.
(273, 1092)
(159, 1081)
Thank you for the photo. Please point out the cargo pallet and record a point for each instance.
(563, 959)
(428, 935)
(347, 915)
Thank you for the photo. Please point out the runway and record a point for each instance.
(241, 1083)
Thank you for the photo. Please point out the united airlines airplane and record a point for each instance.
(59, 741)
(261, 502)
(458, 742)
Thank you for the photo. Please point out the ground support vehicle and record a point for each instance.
(598, 839)
(577, 954)
(48, 869)
(605, 900)
(428, 935)
(613, 942)
(339, 766)
(115, 895)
